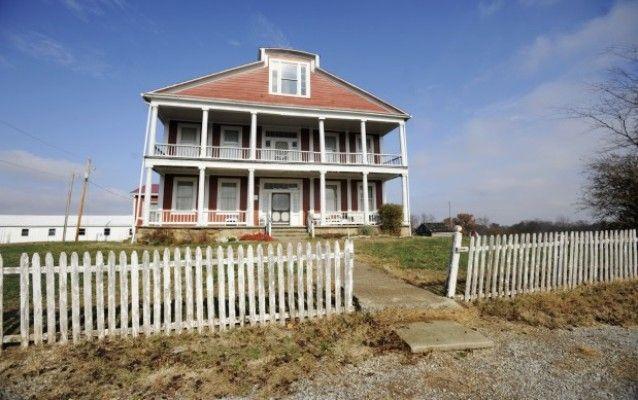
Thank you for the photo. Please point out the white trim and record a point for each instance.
(372, 207)
(275, 63)
(237, 181)
(268, 192)
(336, 136)
(180, 125)
(192, 179)
(275, 128)
(223, 129)
(337, 194)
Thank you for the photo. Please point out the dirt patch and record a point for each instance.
(612, 304)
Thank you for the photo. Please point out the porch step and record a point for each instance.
(289, 233)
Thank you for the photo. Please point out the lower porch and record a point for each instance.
(207, 197)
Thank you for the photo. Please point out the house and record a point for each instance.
(277, 141)
(50, 228)
(140, 192)
(434, 229)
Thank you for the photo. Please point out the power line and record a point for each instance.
(34, 137)
(107, 190)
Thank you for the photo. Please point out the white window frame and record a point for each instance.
(372, 207)
(174, 194)
(198, 128)
(368, 138)
(237, 182)
(288, 129)
(336, 136)
(337, 195)
(276, 64)
(222, 131)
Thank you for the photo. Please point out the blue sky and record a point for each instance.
(482, 80)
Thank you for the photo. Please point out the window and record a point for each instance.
(107, 231)
(184, 194)
(51, 231)
(231, 136)
(228, 198)
(188, 134)
(332, 197)
(331, 144)
(372, 198)
(25, 232)
(82, 231)
(130, 231)
(289, 78)
(369, 147)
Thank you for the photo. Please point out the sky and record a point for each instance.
(486, 84)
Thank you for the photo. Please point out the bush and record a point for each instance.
(391, 218)
(366, 230)
(256, 237)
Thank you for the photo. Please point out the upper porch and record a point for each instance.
(204, 133)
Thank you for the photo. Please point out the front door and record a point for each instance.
(280, 208)
(281, 150)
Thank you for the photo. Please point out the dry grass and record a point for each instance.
(259, 361)
(612, 304)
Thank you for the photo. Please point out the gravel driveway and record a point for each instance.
(526, 363)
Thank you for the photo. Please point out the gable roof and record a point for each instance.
(248, 83)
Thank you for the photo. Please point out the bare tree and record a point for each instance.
(611, 191)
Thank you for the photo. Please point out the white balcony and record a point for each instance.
(274, 155)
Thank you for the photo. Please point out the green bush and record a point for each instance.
(391, 218)
(366, 230)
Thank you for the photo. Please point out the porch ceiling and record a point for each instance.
(231, 117)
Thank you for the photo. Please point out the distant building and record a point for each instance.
(49, 228)
(434, 229)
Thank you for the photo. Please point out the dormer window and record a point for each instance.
(289, 78)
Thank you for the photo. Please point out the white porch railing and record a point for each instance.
(177, 150)
(172, 217)
(335, 218)
(228, 153)
(224, 218)
(243, 153)
(288, 155)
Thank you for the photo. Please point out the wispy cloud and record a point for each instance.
(487, 8)
(617, 27)
(48, 49)
(233, 42)
(24, 164)
(537, 3)
(84, 9)
(268, 33)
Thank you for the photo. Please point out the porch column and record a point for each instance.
(204, 133)
(250, 205)
(322, 140)
(366, 205)
(405, 198)
(201, 215)
(349, 194)
(147, 195)
(364, 147)
(152, 131)
(253, 135)
(322, 196)
(404, 143)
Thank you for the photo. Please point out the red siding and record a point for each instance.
(243, 191)
(245, 136)
(256, 206)
(168, 192)
(317, 193)
(342, 142)
(212, 193)
(252, 86)
(306, 199)
(353, 142)
(216, 134)
(315, 140)
(172, 132)
(379, 193)
(355, 195)
(305, 139)
(344, 195)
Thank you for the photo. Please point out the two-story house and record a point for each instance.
(279, 140)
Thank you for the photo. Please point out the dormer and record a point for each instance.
(289, 71)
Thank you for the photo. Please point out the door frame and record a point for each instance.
(298, 216)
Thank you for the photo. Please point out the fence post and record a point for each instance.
(455, 257)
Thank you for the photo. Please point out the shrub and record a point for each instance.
(256, 237)
(156, 237)
(391, 218)
(366, 230)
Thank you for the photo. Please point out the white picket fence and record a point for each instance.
(507, 265)
(215, 290)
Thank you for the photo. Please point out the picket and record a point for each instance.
(302, 283)
(508, 265)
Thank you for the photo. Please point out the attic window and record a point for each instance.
(289, 78)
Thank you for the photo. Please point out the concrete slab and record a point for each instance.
(376, 290)
(441, 336)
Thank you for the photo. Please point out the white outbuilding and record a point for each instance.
(49, 228)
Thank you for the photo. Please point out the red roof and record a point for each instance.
(154, 189)
(249, 84)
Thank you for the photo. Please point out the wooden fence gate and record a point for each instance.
(179, 290)
(507, 265)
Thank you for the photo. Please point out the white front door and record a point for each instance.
(280, 208)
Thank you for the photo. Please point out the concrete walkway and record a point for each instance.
(376, 290)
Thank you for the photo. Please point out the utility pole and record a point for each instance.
(82, 197)
(68, 205)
